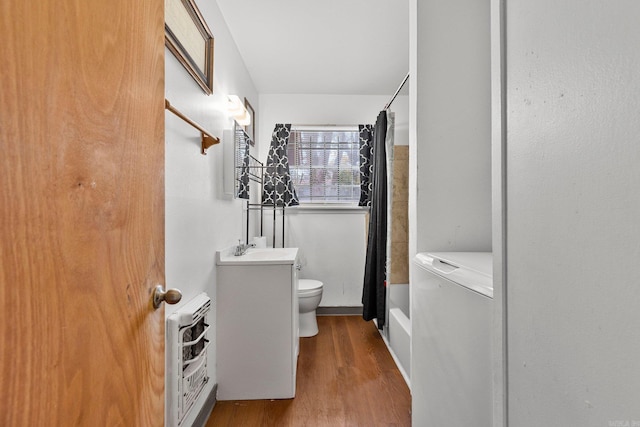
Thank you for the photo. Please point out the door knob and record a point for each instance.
(170, 296)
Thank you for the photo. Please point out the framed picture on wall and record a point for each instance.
(251, 128)
(188, 37)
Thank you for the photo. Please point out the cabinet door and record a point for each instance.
(255, 321)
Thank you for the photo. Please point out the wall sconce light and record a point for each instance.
(238, 111)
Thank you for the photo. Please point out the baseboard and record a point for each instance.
(339, 311)
(406, 377)
(205, 411)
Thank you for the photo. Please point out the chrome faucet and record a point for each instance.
(241, 249)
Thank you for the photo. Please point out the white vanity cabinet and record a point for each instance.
(257, 324)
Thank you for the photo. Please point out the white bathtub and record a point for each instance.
(399, 328)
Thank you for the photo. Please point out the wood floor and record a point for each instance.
(346, 377)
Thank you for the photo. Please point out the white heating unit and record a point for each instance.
(187, 343)
(451, 357)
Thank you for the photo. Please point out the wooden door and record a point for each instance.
(81, 213)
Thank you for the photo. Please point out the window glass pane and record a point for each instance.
(318, 158)
(325, 165)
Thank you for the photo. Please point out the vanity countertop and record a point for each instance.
(258, 256)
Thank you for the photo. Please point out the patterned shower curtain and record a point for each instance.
(377, 260)
(366, 165)
(278, 186)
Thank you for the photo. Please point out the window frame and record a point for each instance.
(325, 202)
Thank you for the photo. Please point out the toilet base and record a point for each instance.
(308, 324)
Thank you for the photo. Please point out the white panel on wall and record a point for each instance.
(573, 96)
(453, 126)
(332, 250)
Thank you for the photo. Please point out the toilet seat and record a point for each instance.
(309, 287)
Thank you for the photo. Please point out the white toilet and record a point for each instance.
(309, 296)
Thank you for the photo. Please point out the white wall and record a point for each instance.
(573, 206)
(332, 242)
(450, 199)
(332, 250)
(328, 109)
(198, 219)
(450, 90)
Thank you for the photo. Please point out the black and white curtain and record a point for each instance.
(243, 180)
(366, 164)
(377, 260)
(278, 186)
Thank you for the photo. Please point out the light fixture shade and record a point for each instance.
(238, 111)
(244, 120)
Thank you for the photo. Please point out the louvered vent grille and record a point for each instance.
(188, 340)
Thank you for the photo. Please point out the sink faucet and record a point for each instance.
(241, 249)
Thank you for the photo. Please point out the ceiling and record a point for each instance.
(357, 47)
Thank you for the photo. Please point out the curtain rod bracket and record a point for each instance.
(207, 139)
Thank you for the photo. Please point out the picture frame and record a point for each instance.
(251, 129)
(190, 40)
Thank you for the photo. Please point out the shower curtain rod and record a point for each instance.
(386, 107)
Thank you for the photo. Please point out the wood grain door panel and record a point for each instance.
(81, 213)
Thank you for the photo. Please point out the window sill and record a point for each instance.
(335, 208)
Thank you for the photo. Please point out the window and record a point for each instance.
(325, 164)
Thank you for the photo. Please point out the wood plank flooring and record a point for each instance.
(346, 377)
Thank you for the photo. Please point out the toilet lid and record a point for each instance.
(309, 285)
